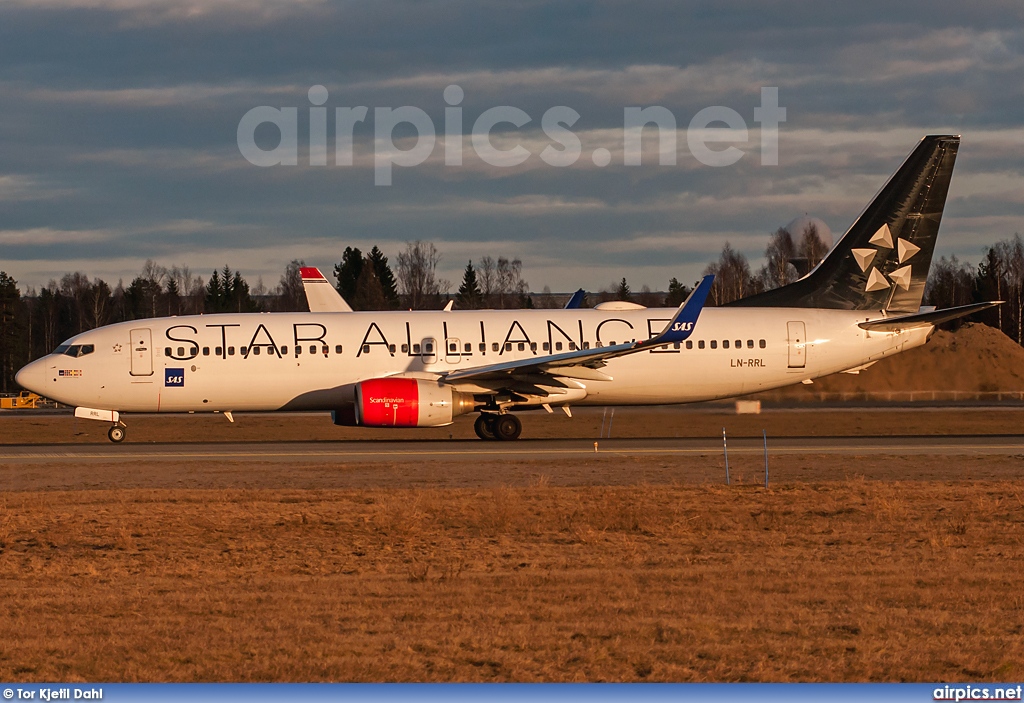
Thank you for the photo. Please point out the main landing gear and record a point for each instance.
(506, 427)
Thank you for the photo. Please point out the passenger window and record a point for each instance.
(508, 346)
(572, 346)
(675, 345)
(483, 347)
(453, 347)
(546, 346)
(256, 351)
(193, 351)
(206, 351)
(326, 350)
(494, 346)
(366, 348)
(298, 350)
(415, 348)
(219, 351)
(312, 349)
(612, 343)
(467, 347)
(558, 346)
(739, 343)
(391, 348)
(700, 344)
(243, 350)
(430, 347)
(522, 346)
(714, 344)
(181, 351)
(689, 344)
(586, 345)
(337, 349)
(761, 344)
(750, 344)
(725, 344)
(284, 350)
(231, 351)
(405, 348)
(167, 351)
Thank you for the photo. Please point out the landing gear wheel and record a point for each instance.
(484, 426)
(508, 428)
(116, 434)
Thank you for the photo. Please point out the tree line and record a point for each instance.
(34, 323)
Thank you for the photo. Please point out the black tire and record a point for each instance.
(508, 428)
(484, 426)
(116, 434)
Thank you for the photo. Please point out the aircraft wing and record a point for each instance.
(584, 363)
(925, 319)
(320, 294)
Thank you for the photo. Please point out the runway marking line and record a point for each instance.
(958, 449)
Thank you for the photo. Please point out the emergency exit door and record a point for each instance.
(797, 344)
(142, 352)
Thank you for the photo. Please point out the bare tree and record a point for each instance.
(733, 279)
(291, 294)
(487, 278)
(417, 275)
(778, 269)
(812, 247)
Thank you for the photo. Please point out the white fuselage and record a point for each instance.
(248, 362)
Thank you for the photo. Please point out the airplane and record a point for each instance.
(862, 303)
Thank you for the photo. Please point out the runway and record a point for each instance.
(470, 451)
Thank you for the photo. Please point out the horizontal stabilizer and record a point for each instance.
(925, 319)
(320, 294)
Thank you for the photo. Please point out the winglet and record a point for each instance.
(310, 273)
(682, 323)
(320, 294)
(576, 300)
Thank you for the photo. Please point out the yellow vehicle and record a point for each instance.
(25, 399)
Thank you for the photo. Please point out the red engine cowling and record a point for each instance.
(409, 402)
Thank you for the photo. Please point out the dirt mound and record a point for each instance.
(975, 359)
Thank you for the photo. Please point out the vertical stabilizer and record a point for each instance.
(882, 261)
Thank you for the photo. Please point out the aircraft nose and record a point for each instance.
(32, 377)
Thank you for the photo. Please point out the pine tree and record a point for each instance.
(348, 271)
(369, 293)
(386, 278)
(677, 293)
(11, 357)
(214, 294)
(622, 292)
(469, 296)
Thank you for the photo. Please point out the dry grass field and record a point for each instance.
(325, 573)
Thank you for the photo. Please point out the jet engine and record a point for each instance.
(409, 402)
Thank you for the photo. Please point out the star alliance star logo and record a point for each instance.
(117, 348)
(882, 239)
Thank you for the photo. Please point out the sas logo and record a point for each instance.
(682, 327)
(69, 373)
(174, 377)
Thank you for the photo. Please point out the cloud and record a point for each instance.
(118, 122)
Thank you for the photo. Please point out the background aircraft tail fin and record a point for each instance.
(882, 261)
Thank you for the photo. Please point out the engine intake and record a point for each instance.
(409, 402)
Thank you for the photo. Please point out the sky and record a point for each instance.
(119, 126)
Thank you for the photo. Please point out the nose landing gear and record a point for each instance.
(506, 427)
(116, 433)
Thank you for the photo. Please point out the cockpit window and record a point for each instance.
(75, 350)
